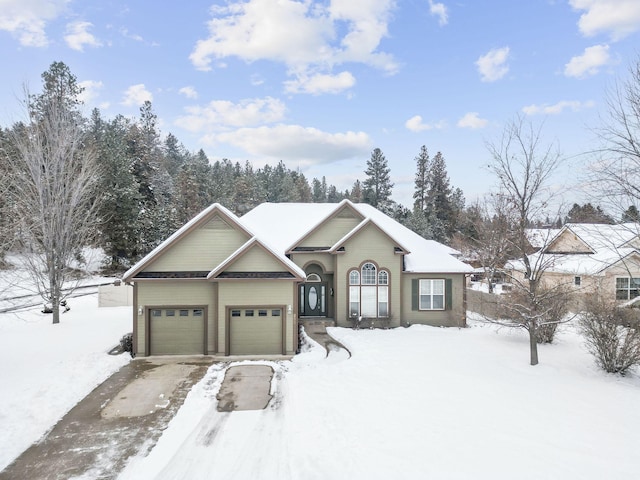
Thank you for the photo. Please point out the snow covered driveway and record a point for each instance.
(47, 369)
(414, 403)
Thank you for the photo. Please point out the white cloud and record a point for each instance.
(136, 95)
(472, 120)
(293, 143)
(91, 89)
(220, 114)
(492, 66)
(440, 11)
(77, 36)
(589, 62)
(27, 20)
(321, 83)
(557, 108)
(304, 36)
(188, 92)
(618, 18)
(415, 124)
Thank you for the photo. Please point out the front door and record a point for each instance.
(313, 300)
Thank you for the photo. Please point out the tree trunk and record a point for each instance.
(533, 344)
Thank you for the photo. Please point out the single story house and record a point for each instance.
(224, 285)
(588, 257)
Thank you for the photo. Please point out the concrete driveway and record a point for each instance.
(120, 418)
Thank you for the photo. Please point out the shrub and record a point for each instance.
(611, 335)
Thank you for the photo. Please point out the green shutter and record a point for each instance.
(448, 300)
(414, 294)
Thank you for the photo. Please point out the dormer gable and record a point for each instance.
(200, 245)
(340, 245)
(329, 230)
(255, 260)
(568, 242)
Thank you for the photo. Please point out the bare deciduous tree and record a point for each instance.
(617, 171)
(524, 167)
(53, 197)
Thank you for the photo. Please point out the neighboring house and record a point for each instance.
(225, 285)
(590, 257)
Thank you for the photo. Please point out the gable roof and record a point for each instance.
(605, 246)
(283, 225)
(364, 223)
(288, 265)
(201, 219)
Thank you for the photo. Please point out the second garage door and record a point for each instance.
(255, 331)
(176, 331)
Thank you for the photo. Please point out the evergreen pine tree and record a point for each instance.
(377, 186)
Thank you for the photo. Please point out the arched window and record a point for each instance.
(369, 292)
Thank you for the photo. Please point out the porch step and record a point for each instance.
(325, 322)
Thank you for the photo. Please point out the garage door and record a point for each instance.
(176, 331)
(255, 331)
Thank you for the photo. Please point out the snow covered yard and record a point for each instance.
(413, 403)
(47, 369)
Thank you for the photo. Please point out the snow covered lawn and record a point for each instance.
(414, 403)
(46, 369)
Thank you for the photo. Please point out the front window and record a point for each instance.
(431, 294)
(627, 288)
(368, 292)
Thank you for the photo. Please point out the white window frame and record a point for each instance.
(631, 282)
(427, 289)
(364, 282)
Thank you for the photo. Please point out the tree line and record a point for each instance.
(143, 185)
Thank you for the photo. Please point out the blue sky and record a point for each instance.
(319, 84)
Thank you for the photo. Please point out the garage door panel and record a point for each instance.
(176, 334)
(256, 335)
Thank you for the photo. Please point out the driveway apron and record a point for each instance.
(122, 417)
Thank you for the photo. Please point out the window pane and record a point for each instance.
(235, 313)
(275, 313)
(383, 309)
(354, 278)
(438, 287)
(438, 302)
(354, 301)
(622, 283)
(184, 313)
(248, 313)
(156, 313)
(425, 287)
(368, 274)
(262, 313)
(383, 278)
(425, 302)
(171, 313)
(197, 313)
(368, 303)
(383, 294)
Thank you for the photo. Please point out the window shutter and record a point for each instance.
(448, 294)
(414, 293)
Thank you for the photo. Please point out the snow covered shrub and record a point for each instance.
(126, 343)
(612, 334)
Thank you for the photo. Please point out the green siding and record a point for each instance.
(454, 314)
(256, 259)
(330, 232)
(368, 244)
(201, 249)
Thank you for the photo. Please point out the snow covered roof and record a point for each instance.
(605, 245)
(201, 217)
(281, 225)
(540, 237)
